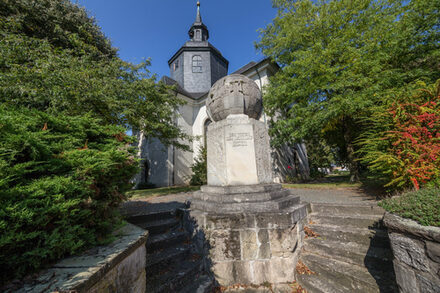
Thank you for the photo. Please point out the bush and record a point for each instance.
(404, 144)
(61, 179)
(422, 206)
(200, 168)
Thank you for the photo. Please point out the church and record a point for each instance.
(194, 68)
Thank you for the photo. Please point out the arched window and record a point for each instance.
(205, 130)
(197, 63)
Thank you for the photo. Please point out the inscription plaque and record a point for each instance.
(239, 139)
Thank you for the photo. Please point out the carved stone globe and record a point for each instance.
(234, 94)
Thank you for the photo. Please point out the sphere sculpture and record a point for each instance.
(234, 94)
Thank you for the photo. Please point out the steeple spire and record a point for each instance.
(199, 17)
(198, 31)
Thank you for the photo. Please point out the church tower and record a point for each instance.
(197, 65)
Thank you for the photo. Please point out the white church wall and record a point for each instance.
(198, 127)
(184, 159)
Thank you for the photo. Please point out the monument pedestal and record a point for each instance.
(252, 233)
(251, 247)
(250, 229)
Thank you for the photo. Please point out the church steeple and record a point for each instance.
(198, 31)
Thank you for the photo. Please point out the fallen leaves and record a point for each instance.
(302, 269)
(310, 233)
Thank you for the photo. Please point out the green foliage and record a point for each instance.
(402, 145)
(61, 180)
(55, 59)
(340, 59)
(66, 102)
(200, 168)
(320, 155)
(422, 206)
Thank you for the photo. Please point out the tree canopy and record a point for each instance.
(54, 58)
(342, 58)
(66, 103)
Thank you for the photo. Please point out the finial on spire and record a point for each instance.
(199, 17)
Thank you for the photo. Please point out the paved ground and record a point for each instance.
(336, 195)
(331, 195)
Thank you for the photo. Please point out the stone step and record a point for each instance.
(166, 258)
(175, 278)
(371, 237)
(241, 188)
(165, 240)
(202, 284)
(269, 206)
(160, 226)
(350, 278)
(347, 209)
(152, 216)
(241, 197)
(374, 258)
(360, 221)
(317, 284)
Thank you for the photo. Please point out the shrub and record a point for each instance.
(61, 179)
(404, 144)
(422, 206)
(200, 168)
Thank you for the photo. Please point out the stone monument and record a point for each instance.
(253, 227)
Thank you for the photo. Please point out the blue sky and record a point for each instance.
(157, 29)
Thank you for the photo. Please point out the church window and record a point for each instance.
(176, 65)
(197, 34)
(197, 63)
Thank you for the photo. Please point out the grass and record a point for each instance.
(322, 185)
(328, 182)
(162, 191)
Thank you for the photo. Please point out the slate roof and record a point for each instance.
(253, 64)
(169, 81)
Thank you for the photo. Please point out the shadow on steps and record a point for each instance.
(382, 268)
(176, 251)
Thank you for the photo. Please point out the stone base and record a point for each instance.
(416, 251)
(244, 199)
(252, 248)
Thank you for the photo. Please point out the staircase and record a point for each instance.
(173, 264)
(346, 250)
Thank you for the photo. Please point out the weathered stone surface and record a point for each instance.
(225, 244)
(233, 221)
(117, 267)
(252, 248)
(240, 189)
(416, 252)
(433, 251)
(409, 251)
(428, 284)
(264, 244)
(283, 241)
(410, 227)
(249, 245)
(405, 278)
(238, 152)
(234, 94)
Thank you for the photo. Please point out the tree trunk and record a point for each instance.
(353, 164)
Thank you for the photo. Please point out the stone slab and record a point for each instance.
(117, 266)
(241, 189)
(238, 152)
